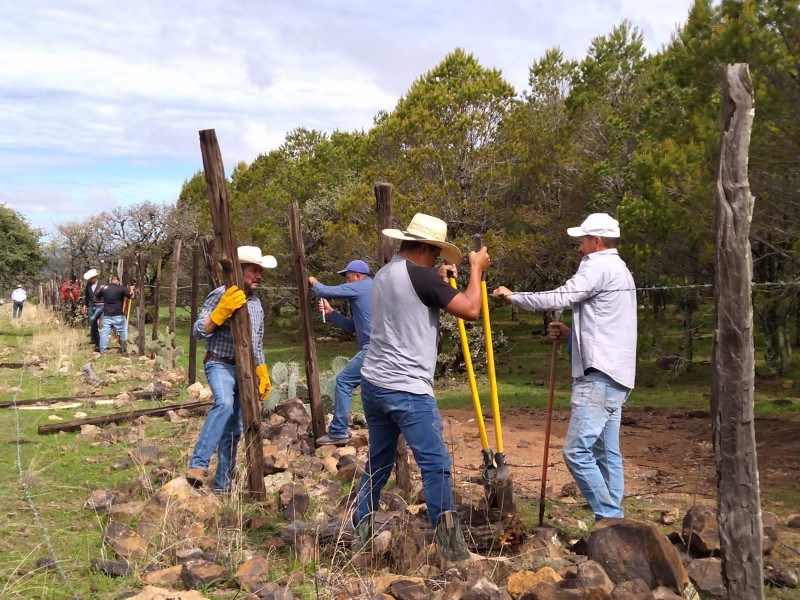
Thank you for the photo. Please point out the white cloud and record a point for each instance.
(89, 83)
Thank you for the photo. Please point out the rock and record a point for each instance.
(180, 513)
(794, 522)
(294, 411)
(100, 500)
(253, 574)
(663, 593)
(156, 593)
(203, 574)
(45, 563)
(593, 578)
(125, 541)
(706, 576)
(635, 589)
(185, 555)
(769, 525)
(628, 549)
(112, 568)
(783, 578)
(293, 500)
(404, 589)
(546, 591)
(520, 581)
(169, 577)
(700, 532)
(484, 589)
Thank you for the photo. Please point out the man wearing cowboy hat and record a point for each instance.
(92, 306)
(397, 377)
(222, 427)
(356, 288)
(602, 347)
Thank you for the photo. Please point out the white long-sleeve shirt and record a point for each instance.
(603, 298)
(19, 295)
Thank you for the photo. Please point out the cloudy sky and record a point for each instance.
(101, 101)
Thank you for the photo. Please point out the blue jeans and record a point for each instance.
(348, 379)
(390, 413)
(119, 324)
(591, 446)
(223, 425)
(93, 312)
(16, 310)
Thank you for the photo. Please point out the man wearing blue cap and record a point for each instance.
(356, 289)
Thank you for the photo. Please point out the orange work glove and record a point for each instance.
(231, 299)
(264, 384)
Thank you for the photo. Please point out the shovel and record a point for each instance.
(548, 420)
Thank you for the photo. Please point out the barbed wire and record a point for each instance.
(649, 288)
(26, 491)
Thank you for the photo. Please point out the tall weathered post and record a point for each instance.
(383, 205)
(141, 265)
(307, 326)
(240, 320)
(173, 286)
(733, 370)
(193, 316)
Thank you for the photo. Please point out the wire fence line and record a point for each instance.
(648, 288)
(28, 497)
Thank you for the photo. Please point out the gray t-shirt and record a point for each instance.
(406, 301)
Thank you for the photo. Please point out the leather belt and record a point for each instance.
(223, 359)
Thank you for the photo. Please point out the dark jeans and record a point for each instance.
(16, 310)
(93, 312)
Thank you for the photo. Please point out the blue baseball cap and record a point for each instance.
(356, 266)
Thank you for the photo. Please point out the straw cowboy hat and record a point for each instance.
(252, 255)
(433, 231)
(89, 274)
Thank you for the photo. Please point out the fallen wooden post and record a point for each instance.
(129, 415)
(140, 395)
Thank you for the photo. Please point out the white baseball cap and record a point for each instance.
(601, 224)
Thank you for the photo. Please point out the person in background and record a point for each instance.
(18, 297)
(602, 345)
(222, 427)
(92, 306)
(408, 295)
(356, 288)
(113, 297)
(68, 295)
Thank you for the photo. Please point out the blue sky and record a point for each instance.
(101, 102)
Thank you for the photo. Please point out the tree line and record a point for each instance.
(620, 131)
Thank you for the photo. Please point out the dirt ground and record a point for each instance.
(668, 455)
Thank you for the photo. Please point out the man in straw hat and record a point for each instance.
(222, 427)
(408, 295)
(603, 354)
(356, 289)
(92, 306)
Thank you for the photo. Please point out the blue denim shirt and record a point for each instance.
(358, 293)
(603, 298)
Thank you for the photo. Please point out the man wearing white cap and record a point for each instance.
(397, 377)
(92, 306)
(603, 355)
(222, 427)
(356, 289)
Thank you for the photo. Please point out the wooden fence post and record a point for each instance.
(733, 364)
(247, 382)
(307, 326)
(193, 316)
(383, 204)
(141, 264)
(173, 286)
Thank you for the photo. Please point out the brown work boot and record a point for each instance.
(195, 476)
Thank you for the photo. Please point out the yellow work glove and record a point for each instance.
(231, 299)
(264, 385)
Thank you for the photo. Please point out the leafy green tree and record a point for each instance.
(20, 248)
(438, 146)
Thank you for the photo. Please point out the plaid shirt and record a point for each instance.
(220, 341)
